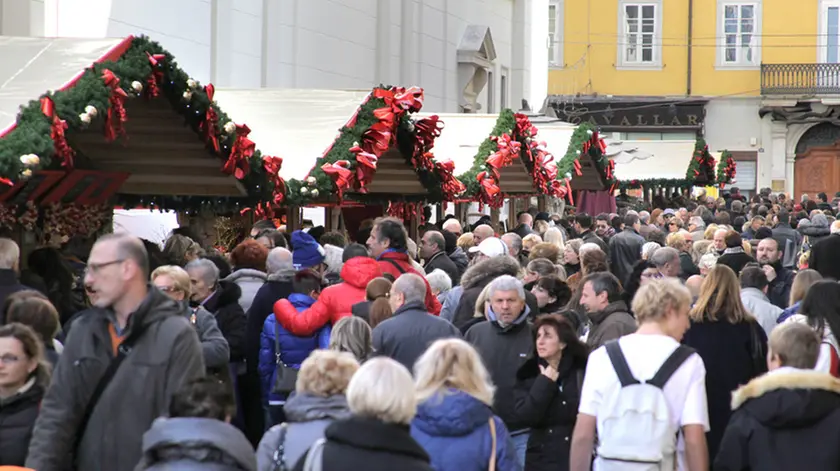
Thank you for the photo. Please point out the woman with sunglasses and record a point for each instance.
(175, 283)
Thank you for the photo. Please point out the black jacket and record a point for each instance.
(192, 443)
(735, 261)
(224, 304)
(790, 241)
(523, 230)
(357, 443)
(9, 284)
(362, 310)
(550, 409)
(480, 275)
(783, 421)
(504, 350)
(406, 335)
(591, 236)
(824, 256)
(17, 419)
(687, 266)
(625, 251)
(442, 261)
(778, 291)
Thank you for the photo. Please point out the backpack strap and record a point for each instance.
(315, 458)
(395, 264)
(671, 365)
(619, 363)
(279, 457)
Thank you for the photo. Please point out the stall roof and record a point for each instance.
(31, 66)
(639, 160)
(295, 124)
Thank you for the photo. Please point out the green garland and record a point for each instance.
(652, 183)
(725, 169)
(32, 133)
(701, 167)
(505, 124)
(566, 165)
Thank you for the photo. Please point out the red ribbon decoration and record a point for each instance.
(116, 117)
(262, 210)
(450, 186)
(272, 166)
(506, 150)
(340, 174)
(524, 128)
(57, 128)
(208, 126)
(365, 167)
(152, 89)
(242, 150)
(6, 181)
(377, 139)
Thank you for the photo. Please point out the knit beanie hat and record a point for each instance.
(308, 253)
(333, 258)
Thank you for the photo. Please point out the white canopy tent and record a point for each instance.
(640, 160)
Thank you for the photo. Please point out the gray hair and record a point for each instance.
(279, 259)
(383, 389)
(697, 221)
(644, 216)
(9, 253)
(649, 248)
(439, 280)
(436, 238)
(513, 240)
(506, 283)
(207, 270)
(412, 287)
(353, 335)
(589, 247)
(707, 261)
(664, 255)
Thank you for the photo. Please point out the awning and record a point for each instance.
(297, 125)
(31, 66)
(640, 160)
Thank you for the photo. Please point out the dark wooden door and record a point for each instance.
(817, 169)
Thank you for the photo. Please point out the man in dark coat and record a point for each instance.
(583, 226)
(824, 255)
(734, 255)
(9, 263)
(525, 223)
(790, 240)
(781, 420)
(410, 331)
(433, 251)
(610, 317)
(769, 255)
(626, 248)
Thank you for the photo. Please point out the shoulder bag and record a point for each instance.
(285, 377)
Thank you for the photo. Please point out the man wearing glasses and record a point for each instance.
(122, 361)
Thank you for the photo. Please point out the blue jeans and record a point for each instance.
(520, 443)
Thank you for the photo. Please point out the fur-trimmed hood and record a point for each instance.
(486, 270)
(789, 397)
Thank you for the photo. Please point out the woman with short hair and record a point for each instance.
(319, 401)
(353, 335)
(451, 381)
(376, 437)
(30, 307)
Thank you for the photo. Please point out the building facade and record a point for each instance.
(765, 72)
(468, 55)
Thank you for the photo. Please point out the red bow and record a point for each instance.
(57, 127)
(524, 128)
(507, 150)
(365, 166)
(6, 181)
(377, 139)
(272, 166)
(451, 186)
(490, 191)
(340, 174)
(262, 210)
(153, 82)
(116, 117)
(426, 131)
(410, 100)
(208, 126)
(242, 150)
(576, 165)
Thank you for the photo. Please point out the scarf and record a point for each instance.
(732, 250)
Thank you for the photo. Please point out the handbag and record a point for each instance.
(492, 466)
(285, 377)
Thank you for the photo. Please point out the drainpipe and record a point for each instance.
(688, 46)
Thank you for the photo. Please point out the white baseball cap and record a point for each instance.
(491, 247)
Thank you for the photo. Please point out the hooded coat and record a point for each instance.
(454, 429)
(818, 230)
(224, 305)
(165, 357)
(787, 419)
(249, 281)
(307, 417)
(334, 302)
(191, 443)
(480, 275)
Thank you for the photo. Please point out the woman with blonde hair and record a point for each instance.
(353, 335)
(529, 241)
(731, 343)
(465, 241)
(802, 282)
(555, 236)
(451, 381)
(376, 437)
(319, 401)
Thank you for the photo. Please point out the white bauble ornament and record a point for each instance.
(85, 118)
(304, 190)
(314, 192)
(734, 181)
(187, 95)
(137, 86)
(91, 110)
(26, 173)
(589, 132)
(192, 83)
(310, 180)
(230, 127)
(568, 174)
(30, 159)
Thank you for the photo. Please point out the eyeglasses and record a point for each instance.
(168, 289)
(9, 359)
(94, 268)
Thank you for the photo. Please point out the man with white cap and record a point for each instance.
(491, 260)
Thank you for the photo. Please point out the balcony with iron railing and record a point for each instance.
(800, 79)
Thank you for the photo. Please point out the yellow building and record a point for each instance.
(757, 77)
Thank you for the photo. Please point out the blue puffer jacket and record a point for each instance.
(793, 309)
(293, 350)
(454, 430)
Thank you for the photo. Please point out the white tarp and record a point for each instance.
(29, 67)
(154, 226)
(295, 124)
(639, 160)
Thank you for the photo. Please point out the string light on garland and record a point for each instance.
(30, 160)
(192, 84)
(187, 95)
(137, 87)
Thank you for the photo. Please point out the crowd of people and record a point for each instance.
(692, 337)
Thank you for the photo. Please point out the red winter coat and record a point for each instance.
(334, 302)
(401, 259)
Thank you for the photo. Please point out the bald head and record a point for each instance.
(453, 226)
(482, 232)
(693, 284)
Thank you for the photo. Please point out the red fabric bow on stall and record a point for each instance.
(208, 126)
(365, 166)
(272, 166)
(450, 186)
(524, 128)
(340, 174)
(116, 117)
(156, 78)
(242, 150)
(507, 150)
(57, 128)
